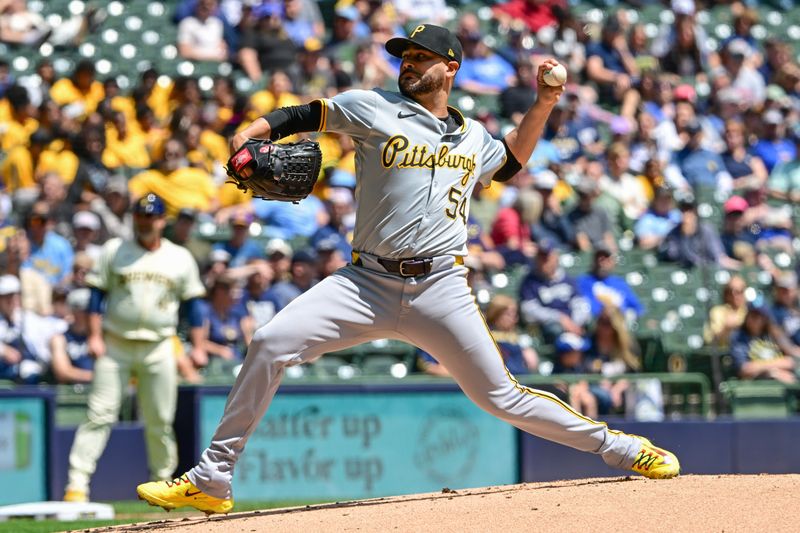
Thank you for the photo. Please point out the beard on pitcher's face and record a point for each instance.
(411, 84)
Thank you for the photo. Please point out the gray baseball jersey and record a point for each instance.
(415, 180)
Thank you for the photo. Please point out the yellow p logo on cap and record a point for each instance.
(418, 29)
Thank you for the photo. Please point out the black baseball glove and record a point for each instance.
(284, 172)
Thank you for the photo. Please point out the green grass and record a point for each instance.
(129, 512)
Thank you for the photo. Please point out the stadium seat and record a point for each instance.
(756, 399)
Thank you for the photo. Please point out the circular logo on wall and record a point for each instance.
(447, 446)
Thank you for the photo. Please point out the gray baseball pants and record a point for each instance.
(437, 313)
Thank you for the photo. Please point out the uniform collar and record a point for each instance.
(452, 111)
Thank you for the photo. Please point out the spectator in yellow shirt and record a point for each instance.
(81, 90)
(20, 169)
(147, 124)
(277, 94)
(177, 183)
(124, 147)
(21, 122)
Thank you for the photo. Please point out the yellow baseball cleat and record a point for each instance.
(73, 495)
(180, 492)
(654, 462)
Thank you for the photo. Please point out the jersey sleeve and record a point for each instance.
(351, 112)
(100, 275)
(493, 156)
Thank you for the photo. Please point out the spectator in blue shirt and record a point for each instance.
(285, 220)
(693, 243)
(482, 71)
(341, 212)
(610, 64)
(760, 349)
(772, 147)
(658, 221)
(700, 167)
(786, 309)
(51, 254)
(69, 352)
(259, 298)
(229, 330)
(549, 297)
(600, 287)
(241, 246)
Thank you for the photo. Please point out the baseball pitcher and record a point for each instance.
(417, 161)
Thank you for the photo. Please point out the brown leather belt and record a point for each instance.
(407, 268)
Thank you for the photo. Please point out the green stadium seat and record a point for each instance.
(756, 399)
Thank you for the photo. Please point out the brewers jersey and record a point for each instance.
(144, 288)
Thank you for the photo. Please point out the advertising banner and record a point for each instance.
(22, 450)
(360, 445)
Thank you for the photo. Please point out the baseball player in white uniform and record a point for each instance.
(417, 160)
(137, 287)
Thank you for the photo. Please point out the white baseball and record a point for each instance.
(555, 76)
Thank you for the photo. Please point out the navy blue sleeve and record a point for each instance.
(740, 346)
(96, 300)
(192, 310)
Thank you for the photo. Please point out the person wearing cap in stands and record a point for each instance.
(86, 228)
(592, 225)
(570, 359)
(341, 212)
(773, 147)
(658, 221)
(241, 245)
(786, 307)
(137, 287)
(71, 362)
(259, 299)
(230, 328)
(279, 254)
(341, 45)
(553, 226)
(482, 71)
(761, 350)
(332, 253)
(24, 336)
(549, 296)
(112, 207)
(303, 271)
(265, 45)
(737, 234)
(601, 287)
(609, 62)
(698, 166)
(51, 254)
(693, 243)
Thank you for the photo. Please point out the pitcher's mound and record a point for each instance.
(687, 503)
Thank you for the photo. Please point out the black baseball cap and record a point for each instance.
(436, 39)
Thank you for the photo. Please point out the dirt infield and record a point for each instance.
(688, 503)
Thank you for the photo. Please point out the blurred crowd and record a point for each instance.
(658, 121)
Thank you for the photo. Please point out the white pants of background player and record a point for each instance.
(436, 313)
